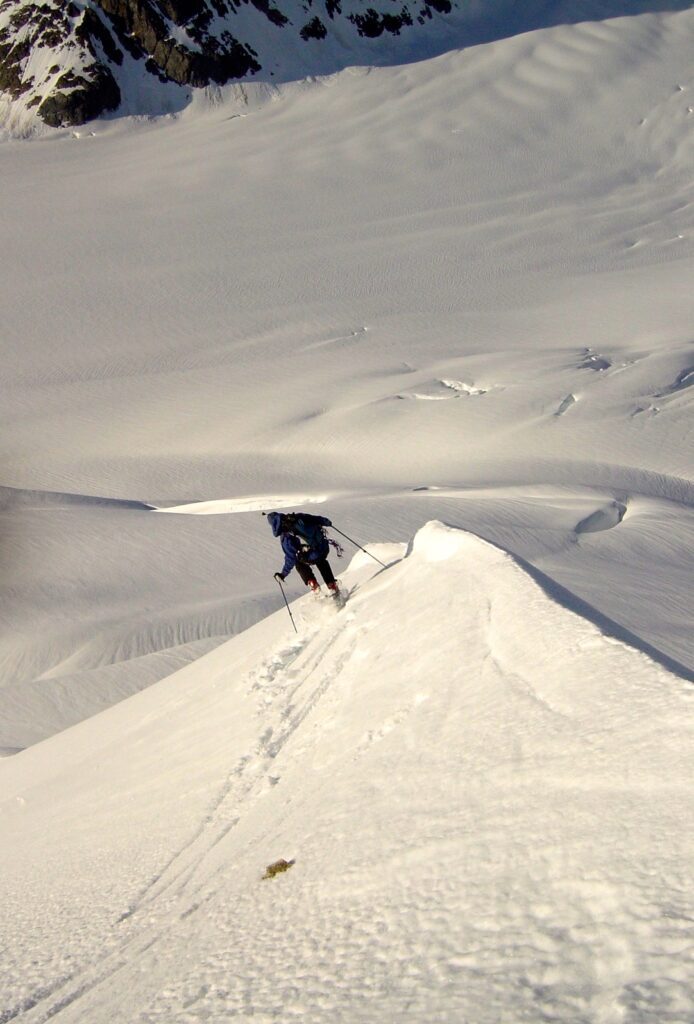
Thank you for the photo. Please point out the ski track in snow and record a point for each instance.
(275, 680)
(276, 686)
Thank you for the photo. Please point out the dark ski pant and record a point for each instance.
(306, 571)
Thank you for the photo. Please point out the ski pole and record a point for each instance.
(287, 604)
(360, 547)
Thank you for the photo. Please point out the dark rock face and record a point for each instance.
(187, 42)
(373, 24)
(78, 90)
(314, 29)
(219, 60)
(77, 99)
(26, 26)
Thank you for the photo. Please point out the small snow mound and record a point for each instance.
(684, 379)
(605, 518)
(437, 542)
(565, 405)
(593, 361)
(441, 390)
(462, 388)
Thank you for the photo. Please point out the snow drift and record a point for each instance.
(485, 798)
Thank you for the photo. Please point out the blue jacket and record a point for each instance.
(294, 547)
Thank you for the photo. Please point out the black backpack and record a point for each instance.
(310, 533)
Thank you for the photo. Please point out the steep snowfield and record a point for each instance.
(457, 289)
(487, 801)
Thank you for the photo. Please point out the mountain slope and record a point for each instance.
(486, 799)
(458, 289)
(72, 63)
(67, 63)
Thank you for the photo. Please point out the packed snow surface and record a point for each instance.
(486, 802)
(457, 291)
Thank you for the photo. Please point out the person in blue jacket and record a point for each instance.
(304, 544)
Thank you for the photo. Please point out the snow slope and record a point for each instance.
(64, 66)
(486, 798)
(457, 289)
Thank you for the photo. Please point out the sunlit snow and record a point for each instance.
(448, 305)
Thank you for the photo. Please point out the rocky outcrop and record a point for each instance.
(76, 98)
(314, 29)
(68, 63)
(219, 59)
(373, 24)
(58, 58)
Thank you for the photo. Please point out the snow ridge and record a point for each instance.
(485, 799)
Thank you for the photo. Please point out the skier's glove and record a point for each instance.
(279, 577)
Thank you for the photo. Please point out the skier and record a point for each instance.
(305, 544)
